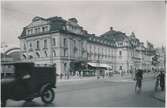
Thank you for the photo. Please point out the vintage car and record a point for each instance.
(26, 81)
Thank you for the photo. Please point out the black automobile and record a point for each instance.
(26, 81)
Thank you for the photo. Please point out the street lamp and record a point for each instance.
(4, 46)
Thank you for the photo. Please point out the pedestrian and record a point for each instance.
(157, 82)
(61, 75)
(138, 78)
(162, 80)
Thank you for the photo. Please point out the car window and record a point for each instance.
(7, 71)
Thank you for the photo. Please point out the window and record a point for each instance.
(65, 43)
(46, 54)
(31, 31)
(38, 55)
(54, 42)
(82, 46)
(30, 57)
(74, 43)
(37, 44)
(43, 29)
(24, 56)
(65, 52)
(120, 53)
(46, 28)
(30, 45)
(28, 32)
(8, 71)
(54, 53)
(65, 67)
(45, 43)
(36, 30)
(24, 46)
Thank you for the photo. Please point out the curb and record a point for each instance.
(69, 80)
(159, 97)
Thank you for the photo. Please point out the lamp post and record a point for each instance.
(4, 46)
(51, 50)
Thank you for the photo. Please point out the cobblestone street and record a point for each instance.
(100, 93)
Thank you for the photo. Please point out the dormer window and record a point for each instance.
(43, 29)
(31, 31)
(120, 53)
(28, 32)
(38, 45)
(36, 30)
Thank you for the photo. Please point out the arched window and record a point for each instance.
(54, 53)
(24, 56)
(37, 44)
(38, 55)
(30, 57)
(46, 54)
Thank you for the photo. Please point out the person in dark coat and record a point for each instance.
(138, 78)
(162, 80)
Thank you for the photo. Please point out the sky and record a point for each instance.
(145, 19)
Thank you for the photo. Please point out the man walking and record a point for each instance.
(162, 80)
(138, 78)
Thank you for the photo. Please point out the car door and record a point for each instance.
(22, 87)
(7, 80)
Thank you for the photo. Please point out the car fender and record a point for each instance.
(48, 85)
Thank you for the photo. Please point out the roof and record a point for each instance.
(113, 35)
(7, 47)
(57, 24)
(101, 40)
(17, 62)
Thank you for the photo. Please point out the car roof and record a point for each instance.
(16, 63)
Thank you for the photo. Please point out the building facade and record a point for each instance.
(71, 48)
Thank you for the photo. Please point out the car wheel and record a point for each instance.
(48, 95)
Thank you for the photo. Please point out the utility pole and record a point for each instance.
(51, 50)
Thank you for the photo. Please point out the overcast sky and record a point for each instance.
(146, 19)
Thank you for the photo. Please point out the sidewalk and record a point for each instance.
(75, 79)
(160, 95)
(114, 78)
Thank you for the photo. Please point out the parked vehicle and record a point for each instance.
(25, 81)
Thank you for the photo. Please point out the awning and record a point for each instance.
(100, 65)
(105, 65)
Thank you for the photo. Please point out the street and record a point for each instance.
(99, 93)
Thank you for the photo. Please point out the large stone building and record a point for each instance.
(161, 58)
(66, 44)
